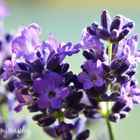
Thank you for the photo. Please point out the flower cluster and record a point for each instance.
(108, 74)
(105, 88)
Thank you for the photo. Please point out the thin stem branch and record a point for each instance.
(110, 130)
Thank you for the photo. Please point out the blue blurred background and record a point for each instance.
(66, 19)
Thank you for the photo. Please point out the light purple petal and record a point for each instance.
(27, 42)
(136, 99)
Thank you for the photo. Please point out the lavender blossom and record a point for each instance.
(105, 88)
(52, 95)
(91, 78)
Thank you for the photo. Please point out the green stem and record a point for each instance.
(110, 51)
(110, 130)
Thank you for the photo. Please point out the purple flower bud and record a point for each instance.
(123, 34)
(128, 25)
(131, 72)
(123, 114)
(10, 86)
(83, 135)
(123, 78)
(37, 66)
(24, 66)
(115, 96)
(127, 108)
(74, 98)
(114, 35)
(64, 67)
(105, 97)
(90, 55)
(50, 131)
(63, 128)
(71, 113)
(116, 64)
(92, 32)
(8, 37)
(92, 29)
(114, 117)
(53, 62)
(124, 67)
(37, 117)
(46, 121)
(118, 106)
(33, 107)
(67, 136)
(105, 19)
(102, 33)
(115, 23)
(93, 113)
(110, 78)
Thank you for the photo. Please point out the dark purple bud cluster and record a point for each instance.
(105, 88)
(111, 30)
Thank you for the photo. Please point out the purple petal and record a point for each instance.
(82, 77)
(39, 86)
(56, 103)
(135, 90)
(136, 99)
(20, 98)
(18, 108)
(99, 82)
(52, 80)
(62, 93)
(88, 84)
(43, 102)
(27, 43)
(9, 70)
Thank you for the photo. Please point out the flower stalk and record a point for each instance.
(108, 123)
(109, 127)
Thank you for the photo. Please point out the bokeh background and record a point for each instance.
(66, 19)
